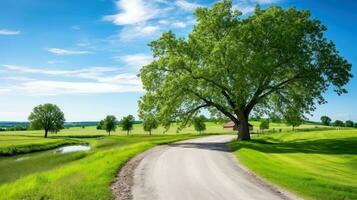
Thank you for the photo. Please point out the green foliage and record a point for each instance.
(293, 118)
(199, 123)
(264, 124)
(110, 123)
(127, 123)
(100, 125)
(275, 118)
(349, 123)
(149, 124)
(338, 123)
(355, 125)
(273, 60)
(48, 117)
(325, 120)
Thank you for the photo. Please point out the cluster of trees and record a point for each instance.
(325, 120)
(50, 118)
(110, 123)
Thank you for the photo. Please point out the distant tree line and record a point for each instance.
(325, 120)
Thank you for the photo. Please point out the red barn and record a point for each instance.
(231, 125)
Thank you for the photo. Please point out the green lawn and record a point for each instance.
(315, 165)
(81, 175)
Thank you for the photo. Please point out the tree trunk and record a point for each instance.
(46, 131)
(109, 133)
(243, 130)
(127, 132)
(150, 132)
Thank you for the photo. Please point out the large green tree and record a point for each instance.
(47, 117)
(233, 66)
(109, 124)
(325, 120)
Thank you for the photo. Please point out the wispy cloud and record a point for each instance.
(9, 32)
(144, 19)
(133, 12)
(135, 61)
(187, 5)
(64, 52)
(248, 6)
(129, 33)
(91, 80)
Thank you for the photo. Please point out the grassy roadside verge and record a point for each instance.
(314, 165)
(88, 177)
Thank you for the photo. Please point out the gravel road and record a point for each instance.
(198, 169)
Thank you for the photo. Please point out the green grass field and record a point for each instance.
(314, 165)
(80, 175)
(44, 174)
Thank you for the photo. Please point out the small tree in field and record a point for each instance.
(100, 125)
(338, 123)
(233, 65)
(325, 120)
(149, 124)
(127, 123)
(47, 117)
(293, 118)
(264, 124)
(349, 123)
(110, 124)
(355, 125)
(199, 123)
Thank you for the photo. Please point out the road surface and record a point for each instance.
(197, 169)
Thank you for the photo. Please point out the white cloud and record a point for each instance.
(183, 4)
(67, 52)
(135, 61)
(179, 25)
(91, 73)
(132, 32)
(98, 80)
(54, 88)
(9, 32)
(133, 12)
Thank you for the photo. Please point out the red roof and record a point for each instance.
(231, 124)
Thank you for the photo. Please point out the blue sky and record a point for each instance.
(84, 55)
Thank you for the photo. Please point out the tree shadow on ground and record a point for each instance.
(214, 146)
(321, 146)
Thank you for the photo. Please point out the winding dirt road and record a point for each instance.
(198, 169)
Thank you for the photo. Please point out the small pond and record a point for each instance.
(72, 148)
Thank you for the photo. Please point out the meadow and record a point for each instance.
(314, 165)
(31, 169)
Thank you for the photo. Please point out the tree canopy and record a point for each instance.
(149, 124)
(127, 123)
(47, 117)
(109, 124)
(199, 123)
(325, 120)
(339, 123)
(349, 123)
(273, 60)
